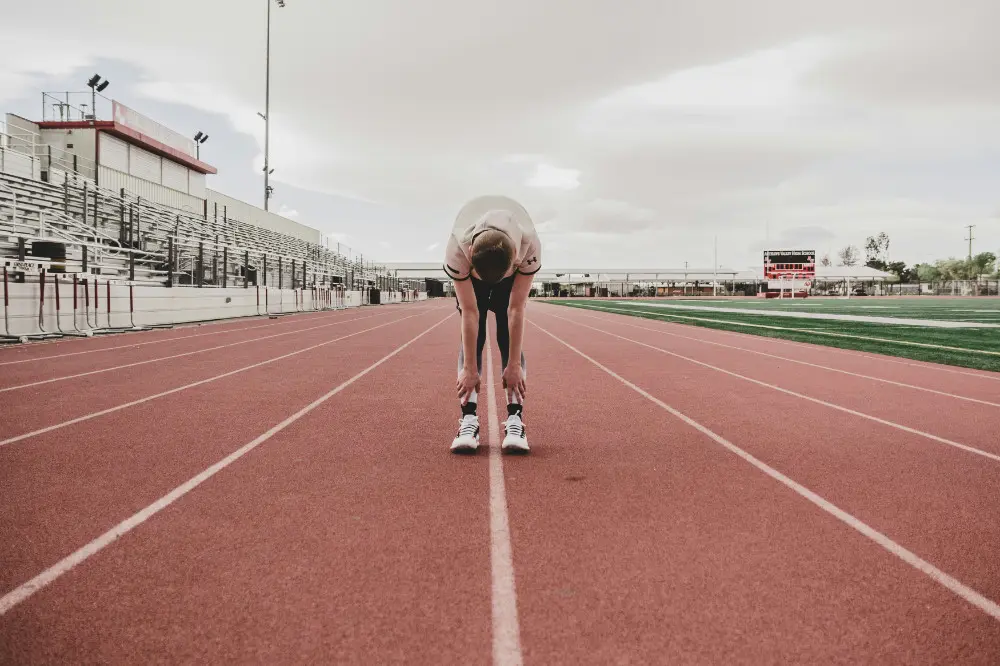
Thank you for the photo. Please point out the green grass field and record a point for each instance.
(977, 348)
(949, 309)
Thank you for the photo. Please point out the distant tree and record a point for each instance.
(953, 269)
(877, 250)
(927, 272)
(898, 268)
(983, 263)
(825, 260)
(848, 256)
(877, 264)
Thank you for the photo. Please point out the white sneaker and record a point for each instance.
(468, 435)
(515, 439)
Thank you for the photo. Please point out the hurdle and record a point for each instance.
(24, 266)
(7, 336)
(76, 332)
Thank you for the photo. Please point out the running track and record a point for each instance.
(275, 491)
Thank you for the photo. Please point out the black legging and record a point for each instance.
(496, 298)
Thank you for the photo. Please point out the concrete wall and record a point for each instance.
(18, 164)
(68, 142)
(245, 212)
(18, 149)
(113, 179)
(155, 304)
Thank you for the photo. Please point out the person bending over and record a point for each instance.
(492, 256)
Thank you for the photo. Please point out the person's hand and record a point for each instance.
(468, 381)
(514, 382)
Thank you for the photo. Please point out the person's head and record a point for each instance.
(492, 255)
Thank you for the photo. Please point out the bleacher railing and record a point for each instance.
(110, 233)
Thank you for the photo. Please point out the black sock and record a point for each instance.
(468, 409)
(514, 409)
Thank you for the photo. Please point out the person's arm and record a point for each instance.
(468, 375)
(513, 377)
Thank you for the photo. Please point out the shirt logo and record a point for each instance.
(532, 260)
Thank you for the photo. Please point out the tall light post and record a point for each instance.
(199, 139)
(267, 103)
(96, 85)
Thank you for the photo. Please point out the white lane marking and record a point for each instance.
(154, 342)
(190, 353)
(812, 346)
(954, 585)
(25, 590)
(897, 321)
(841, 408)
(506, 633)
(109, 410)
(811, 365)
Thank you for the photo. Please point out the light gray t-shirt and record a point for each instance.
(492, 212)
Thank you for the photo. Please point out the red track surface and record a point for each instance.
(340, 530)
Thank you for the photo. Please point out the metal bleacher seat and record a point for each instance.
(119, 234)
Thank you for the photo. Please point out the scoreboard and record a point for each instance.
(789, 269)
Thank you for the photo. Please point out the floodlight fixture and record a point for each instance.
(96, 85)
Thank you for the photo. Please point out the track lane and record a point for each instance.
(71, 347)
(976, 383)
(58, 370)
(637, 539)
(339, 540)
(64, 486)
(35, 408)
(964, 421)
(936, 501)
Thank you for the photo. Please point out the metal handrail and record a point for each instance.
(13, 194)
(88, 231)
(237, 236)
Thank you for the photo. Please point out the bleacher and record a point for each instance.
(68, 224)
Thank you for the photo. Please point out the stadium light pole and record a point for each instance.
(96, 85)
(267, 103)
(199, 139)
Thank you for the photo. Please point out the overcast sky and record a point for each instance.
(635, 131)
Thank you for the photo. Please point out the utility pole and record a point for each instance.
(715, 264)
(267, 104)
(970, 239)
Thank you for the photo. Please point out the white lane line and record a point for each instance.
(25, 590)
(153, 342)
(865, 318)
(506, 633)
(810, 346)
(954, 585)
(841, 408)
(811, 365)
(126, 405)
(190, 353)
(816, 331)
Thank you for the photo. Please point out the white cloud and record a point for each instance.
(632, 131)
(767, 79)
(600, 216)
(548, 176)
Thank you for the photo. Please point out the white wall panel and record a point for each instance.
(196, 184)
(113, 152)
(245, 212)
(144, 164)
(175, 176)
(115, 180)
